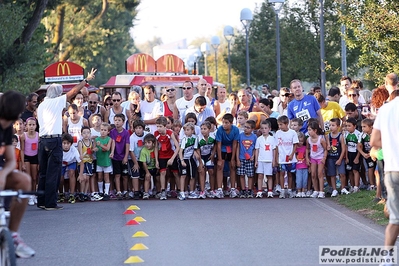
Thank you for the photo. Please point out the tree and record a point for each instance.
(373, 28)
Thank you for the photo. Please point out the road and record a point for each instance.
(194, 232)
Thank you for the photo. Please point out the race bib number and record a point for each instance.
(327, 126)
(304, 115)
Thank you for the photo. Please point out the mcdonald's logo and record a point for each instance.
(141, 63)
(170, 63)
(63, 66)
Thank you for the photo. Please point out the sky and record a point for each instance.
(173, 20)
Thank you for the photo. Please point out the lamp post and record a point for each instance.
(205, 51)
(228, 33)
(277, 6)
(322, 51)
(246, 19)
(215, 42)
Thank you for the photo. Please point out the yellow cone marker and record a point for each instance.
(134, 259)
(133, 207)
(140, 234)
(139, 246)
(139, 219)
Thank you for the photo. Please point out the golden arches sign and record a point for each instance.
(63, 66)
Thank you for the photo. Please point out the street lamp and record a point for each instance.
(322, 51)
(246, 19)
(205, 51)
(277, 6)
(228, 33)
(215, 42)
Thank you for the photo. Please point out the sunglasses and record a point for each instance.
(285, 95)
(116, 100)
(202, 84)
(352, 95)
(169, 90)
(186, 88)
(109, 104)
(93, 102)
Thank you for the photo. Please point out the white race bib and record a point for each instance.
(304, 115)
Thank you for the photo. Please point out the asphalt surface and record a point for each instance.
(194, 232)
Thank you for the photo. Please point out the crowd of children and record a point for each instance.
(110, 162)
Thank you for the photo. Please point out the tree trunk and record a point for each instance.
(34, 22)
(59, 29)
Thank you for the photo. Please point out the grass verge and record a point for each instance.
(362, 203)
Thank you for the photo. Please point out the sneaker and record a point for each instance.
(282, 194)
(163, 195)
(173, 194)
(334, 193)
(242, 194)
(158, 195)
(71, 199)
(304, 195)
(126, 195)
(131, 194)
(219, 194)
(355, 189)
(259, 194)
(270, 194)
(192, 195)
(61, 198)
(233, 193)
(31, 201)
(96, 197)
(226, 193)
(56, 208)
(119, 195)
(202, 195)
(315, 194)
(136, 195)
(251, 194)
(182, 196)
(278, 188)
(298, 195)
(344, 191)
(22, 250)
(291, 194)
(321, 195)
(146, 196)
(112, 196)
(308, 194)
(105, 197)
(81, 197)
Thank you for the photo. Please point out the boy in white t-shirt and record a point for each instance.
(265, 158)
(287, 140)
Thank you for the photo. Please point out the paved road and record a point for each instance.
(195, 232)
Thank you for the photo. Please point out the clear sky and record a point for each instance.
(173, 20)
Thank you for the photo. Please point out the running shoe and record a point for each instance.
(22, 250)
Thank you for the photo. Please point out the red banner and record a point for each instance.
(63, 71)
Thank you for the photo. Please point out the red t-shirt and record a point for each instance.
(165, 144)
(166, 111)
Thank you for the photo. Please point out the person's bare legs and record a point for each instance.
(17, 181)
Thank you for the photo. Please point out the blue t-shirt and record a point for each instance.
(247, 145)
(304, 109)
(227, 139)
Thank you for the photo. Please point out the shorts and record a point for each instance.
(290, 167)
(153, 172)
(369, 163)
(191, 168)
(31, 159)
(226, 156)
(105, 169)
(163, 164)
(247, 168)
(265, 168)
(88, 169)
(132, 173)
(333, 169)
(351, 165)
(119, 168)
(66, 168)
(315, 161)
(391, 180)
(208, 161)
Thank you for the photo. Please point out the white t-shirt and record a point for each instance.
(150, 111)
(49, 115)
(285, 144)
(197, 132)
(75, 130)
(136, 144)
(385, 122)
(208, 101)
(70, 156)
(343, 101)
(266, 146)
(182, 105)
(225, 106)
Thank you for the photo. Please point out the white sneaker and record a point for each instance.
(282, 194)
(219, 194)
(21, 249)
(35, 199)
(304, 195)
(315, 194)
(270, 194)
(291, 194)
(355, 189)
(278, 188)
(334, 193)
(192, 195)
(298, 195)
(181, 196)
(233, 193)
(31, 201)
(321, 195)
(259, 194)
(308, 193)
(344, 191)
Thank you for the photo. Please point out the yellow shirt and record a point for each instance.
(332, 110)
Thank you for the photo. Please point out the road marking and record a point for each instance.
(132, 222)
(134, 259)
(129, 212)
(133, 207)
(139, 246)
(139, 219)
(348, 219)
(140, 234)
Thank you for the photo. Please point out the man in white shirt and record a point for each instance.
(150, 108)
(222, 105)
(49, 114)
(186, 101)
(200, 109)
(345, 84)
(202, 87)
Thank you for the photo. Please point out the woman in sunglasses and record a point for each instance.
(284, 97)
(116, 108)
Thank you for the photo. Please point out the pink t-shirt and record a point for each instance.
(301, 157)
(31, 145)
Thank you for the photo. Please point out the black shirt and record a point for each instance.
(5, 140)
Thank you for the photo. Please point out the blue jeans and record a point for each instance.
(50, 161)
(301, 178)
